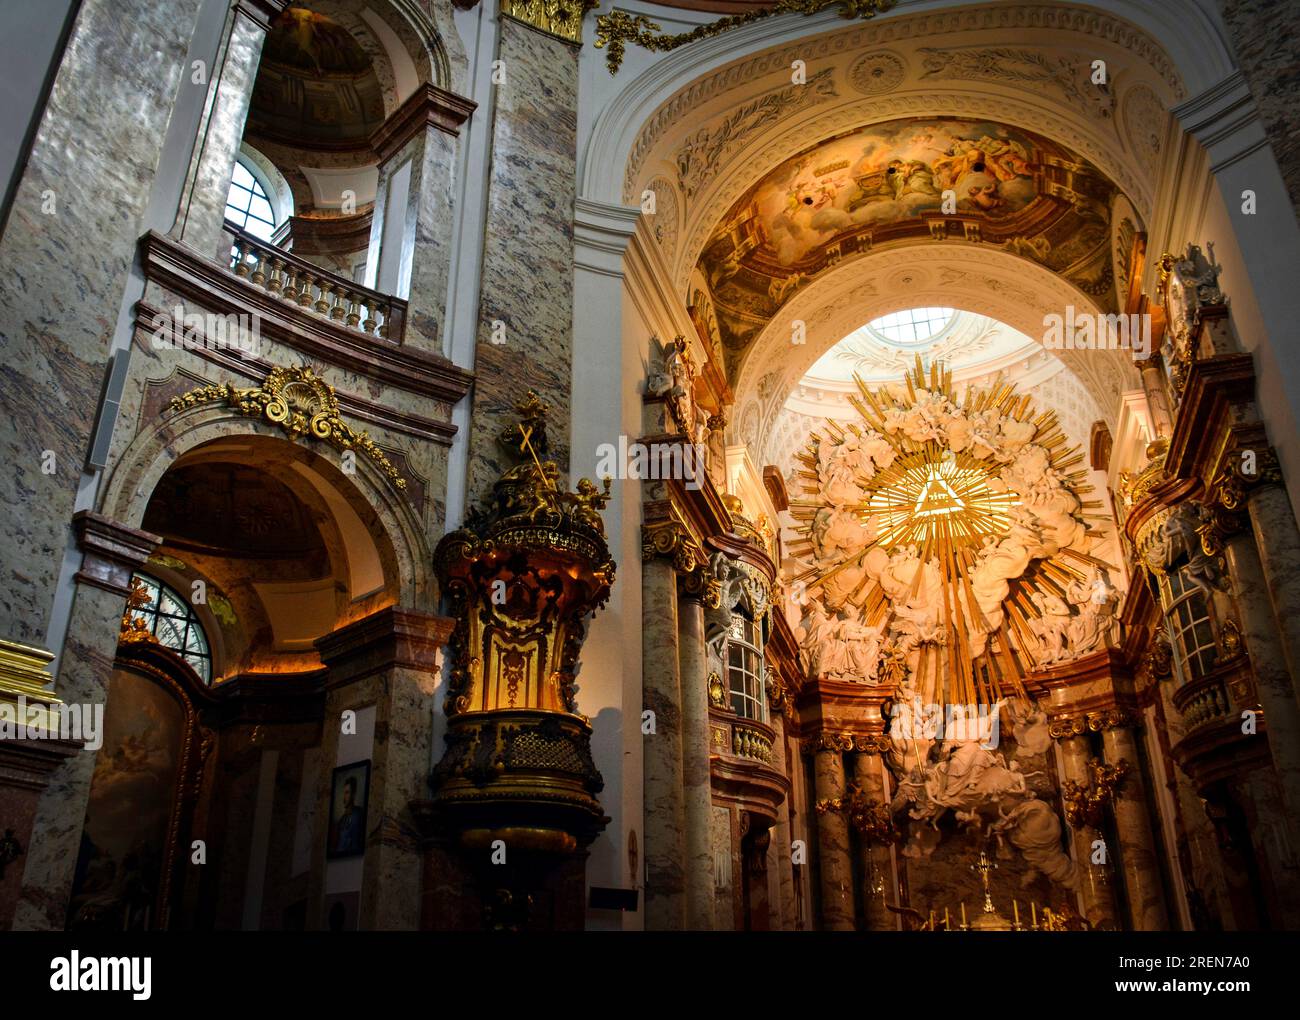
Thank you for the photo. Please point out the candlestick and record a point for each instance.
(963, 913)
(946, 925)
(1034, 907)
(1015, 910)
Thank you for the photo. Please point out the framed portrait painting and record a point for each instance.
(349, 791)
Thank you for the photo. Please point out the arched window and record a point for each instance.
(1191, 627)
(745, 667)
(247, 204)
(173, 622)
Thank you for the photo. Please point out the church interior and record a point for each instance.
(650, 465)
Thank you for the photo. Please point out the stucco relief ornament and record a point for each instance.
(673, 378)
(618, 28)
(1186, 285)
(944, 539)
(299, 402)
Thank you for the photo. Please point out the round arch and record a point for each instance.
(367, 502)
(990, 282)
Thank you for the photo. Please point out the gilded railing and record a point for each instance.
(302, 283)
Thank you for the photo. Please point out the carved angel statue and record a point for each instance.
(1051, 626)
(821, 647)
(674, 378)
(861, 646)
(1093, 598)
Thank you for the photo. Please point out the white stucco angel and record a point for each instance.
(861, 644)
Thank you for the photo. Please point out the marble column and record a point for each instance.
(784, 913)
(110, 552)
(416, 217)
(877, 860)
(1273, 683)
(1278, 543)
(697, 791)
(390, 660)
(665, 817)
(1144, 893)
(1096, 881)
(833, 843)
(202, 211)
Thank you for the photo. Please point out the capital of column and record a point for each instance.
(1066, 726)
(836, 743)
(111, 551)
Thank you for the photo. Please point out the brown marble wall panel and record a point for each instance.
(528, 248)
(94, 158)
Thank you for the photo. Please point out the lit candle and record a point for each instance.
(946, 925)
(963, 913)
(1034, 908)
(1015, 909)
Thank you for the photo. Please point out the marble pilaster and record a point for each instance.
(110, 552)
(877, 860)
(665, 818)
(1096, 883)
(833, 843)
(697, 790)
(69, 243)
(1278, 543)
(1144, 894)
(423, 133)
(1273, 684)
(784, 915)
(527, 276)
(202, 210)
(388, 659)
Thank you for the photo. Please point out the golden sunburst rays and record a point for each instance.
(926, 478)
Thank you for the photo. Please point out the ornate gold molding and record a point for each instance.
(672, 538)
(298, 401)
(618, 28)
(1064, 727)
(135, 629)
(23, 671)
(560, 18)
(827, 742)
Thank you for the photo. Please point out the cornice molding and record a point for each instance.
(427, 107)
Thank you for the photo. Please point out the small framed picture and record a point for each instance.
(349, 791)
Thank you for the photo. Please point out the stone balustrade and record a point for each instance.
(299, 282)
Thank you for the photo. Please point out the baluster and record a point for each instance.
(274, 285)
(338, 303)
(290, 292)
(259, 268)
(308, 283)
(386, 311)
(322, 305)
(369, 323)
(353, 308)
(240, 264)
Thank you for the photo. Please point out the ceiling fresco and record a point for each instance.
(886, 184)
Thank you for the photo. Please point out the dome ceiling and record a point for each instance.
(315, 85)
(885, 349)
(885, 184)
